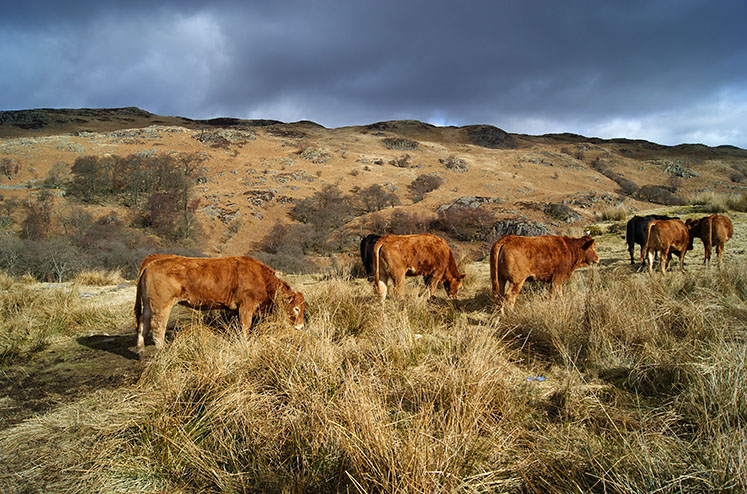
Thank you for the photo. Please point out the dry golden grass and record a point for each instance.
(33, 315)
(613, 213)
(645, 379)
(717, 202)
(99, 277)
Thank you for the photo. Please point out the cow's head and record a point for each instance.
(453, 285)
(296, 307)
(588, 248)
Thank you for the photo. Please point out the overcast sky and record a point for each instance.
(670, 71)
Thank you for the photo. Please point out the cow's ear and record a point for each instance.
(461, 277)
(588, 242)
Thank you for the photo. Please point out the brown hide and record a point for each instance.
(396, 256)
(237, 283)
(666, 237)
(550, 258)
(148, 259)
(714, 231)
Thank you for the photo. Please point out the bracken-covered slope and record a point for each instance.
(256, 170)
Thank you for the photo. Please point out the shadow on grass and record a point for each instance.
(117, 344)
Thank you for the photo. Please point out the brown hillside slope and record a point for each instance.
(257, 169)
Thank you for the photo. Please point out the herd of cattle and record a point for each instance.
(247, 286)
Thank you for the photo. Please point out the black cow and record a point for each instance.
(637, 231)
(367, 256)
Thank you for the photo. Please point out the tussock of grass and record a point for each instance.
(32, 317)
(99, 277)
(613, 213)
(6, 281)
(645, 388)
(714, 202)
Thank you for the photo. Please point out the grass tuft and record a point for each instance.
(99, 277)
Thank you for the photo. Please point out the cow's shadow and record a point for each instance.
(118, 344)
(480, 302)
(221, 321)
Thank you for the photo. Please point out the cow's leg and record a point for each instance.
(719, 253)
(246, 313)
(664, 260)
(707, 248)
(143, 328)
(159, 319)
(556, 288)
(499, 293)
(432, 281)
(682, 259)
(643, 257)
(381, 289)
(513, 292)
(501, 289)
(650, 261)
(430, 286)
(398, 281)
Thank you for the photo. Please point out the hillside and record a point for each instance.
(256, 170)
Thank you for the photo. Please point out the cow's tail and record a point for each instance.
(138, 302)
(706, 231)
(494, 254)
(379, 286)
(142, 325)
(644, 250)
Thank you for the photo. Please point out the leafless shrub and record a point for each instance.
(465, 224)
(424, 184)
(375, 198)
(404, 223)
(455, 164)
(401, 162)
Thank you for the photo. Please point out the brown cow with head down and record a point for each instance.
(713, 230)
(241, 283)
(666, 237)
(515, 259)
(396, 256)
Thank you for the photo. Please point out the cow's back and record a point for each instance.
(418, 251)
(722, 228)
(538, 257)
(198, 282)
(256, 280)
(666, 234)
(637, 227)
(153, 257)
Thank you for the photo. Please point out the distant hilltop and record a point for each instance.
(55, 121)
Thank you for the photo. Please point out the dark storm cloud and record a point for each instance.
(668, 71)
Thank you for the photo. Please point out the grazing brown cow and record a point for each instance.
(242, 284)
(396, 256)
(713, 230)
(515, 259)
(666, 237)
